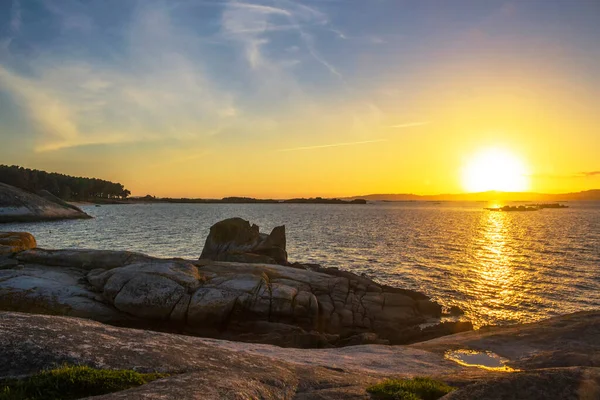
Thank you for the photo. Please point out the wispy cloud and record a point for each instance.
(164, 81)
(71, 14)
(15, 17)
(338, 33)
(154, 91)
(578, 175)
(322, 146)
(308, 41)
(589, 173)
(318, 18)
(260, 8)
(252, 24)
(409, 124)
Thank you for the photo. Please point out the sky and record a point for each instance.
(281, 98)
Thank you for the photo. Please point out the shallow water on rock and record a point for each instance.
(486, 360)
(499, 267)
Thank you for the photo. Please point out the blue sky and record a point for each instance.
(86, 83)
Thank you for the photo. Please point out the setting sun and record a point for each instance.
(495, 169)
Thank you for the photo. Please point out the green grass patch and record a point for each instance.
(72, 382)
(409, 389)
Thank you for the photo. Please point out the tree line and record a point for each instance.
(64, 186)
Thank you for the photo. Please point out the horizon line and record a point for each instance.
(342, 197)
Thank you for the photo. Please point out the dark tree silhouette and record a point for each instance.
(64, 186)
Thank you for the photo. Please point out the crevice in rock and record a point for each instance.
(175, 305)
(187, 309)
(267, 281)
(118, 292)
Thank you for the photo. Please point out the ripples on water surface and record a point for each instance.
(498, 267)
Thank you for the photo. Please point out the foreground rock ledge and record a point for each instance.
(263, 303)
(558, 358)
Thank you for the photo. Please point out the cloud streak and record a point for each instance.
(260, 8)
(252, 24)
(323, 146)
(589, 174)
(409, 125)
(578, 175)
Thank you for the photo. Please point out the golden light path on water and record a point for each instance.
(499, 277)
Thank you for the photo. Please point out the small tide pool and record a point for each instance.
(480, 359)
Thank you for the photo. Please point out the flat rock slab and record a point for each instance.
(575, 383)
(216, 369)
(32, 342)
(565, 341)
(203, 368)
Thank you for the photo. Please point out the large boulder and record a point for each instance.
(17, 205)
(565, 341)
(14, 242)
(235, 240)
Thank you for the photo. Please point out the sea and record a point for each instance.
(499, 267)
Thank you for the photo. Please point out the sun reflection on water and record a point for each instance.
(498, 281)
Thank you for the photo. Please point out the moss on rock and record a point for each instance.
(418, 388)
(72, 382)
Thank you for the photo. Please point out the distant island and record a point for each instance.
(588, 195)
(243, 200)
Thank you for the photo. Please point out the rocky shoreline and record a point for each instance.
(556, 358)
(255, 325)
(17, 205)
(289, 305)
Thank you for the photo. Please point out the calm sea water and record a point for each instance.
(498, 267)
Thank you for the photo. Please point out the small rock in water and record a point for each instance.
(235, 240)
(455, 310)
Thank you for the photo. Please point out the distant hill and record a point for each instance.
(590, 195)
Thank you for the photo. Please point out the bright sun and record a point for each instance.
(495, 169)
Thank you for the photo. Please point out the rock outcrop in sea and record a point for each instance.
(255, 302)
(234, 239)
(17, 205)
